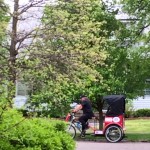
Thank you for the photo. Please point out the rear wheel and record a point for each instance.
(114, 134)
(71, 130)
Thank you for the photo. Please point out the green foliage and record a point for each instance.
(130, 113)
(83, 50)
(129, 109)
(142, 13)
(138, 53)
(69, 52)
(142, 113)
(4, 19)
(33, 133)
(77, 43)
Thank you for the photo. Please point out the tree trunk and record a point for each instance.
(99, 106)
(13, 54)
(101, 119)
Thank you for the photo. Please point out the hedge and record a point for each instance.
(138, 113)
(19, 133)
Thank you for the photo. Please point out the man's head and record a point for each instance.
(83, 97)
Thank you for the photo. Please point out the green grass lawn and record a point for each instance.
(138, 130)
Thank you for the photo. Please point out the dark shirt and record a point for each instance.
(87, 108)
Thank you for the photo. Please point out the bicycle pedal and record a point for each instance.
(82, 136)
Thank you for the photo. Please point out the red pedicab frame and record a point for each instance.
(114, 122)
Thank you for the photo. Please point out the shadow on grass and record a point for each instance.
(90, 137)
(129, 137)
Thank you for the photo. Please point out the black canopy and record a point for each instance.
(116, 105)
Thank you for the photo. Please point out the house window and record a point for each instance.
(147, 92)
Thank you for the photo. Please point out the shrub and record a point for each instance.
(18, 133)
(142, 113)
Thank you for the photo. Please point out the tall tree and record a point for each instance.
(82, 49)
(4, 22)
(72, 44)
(18, 38)
(139, 27)
(4, 19)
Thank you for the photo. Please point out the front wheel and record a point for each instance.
(71, 130)
(113, 134)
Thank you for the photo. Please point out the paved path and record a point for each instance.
(86, 145)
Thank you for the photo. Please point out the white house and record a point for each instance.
(141, 102)
(21, 94)
(144, 101)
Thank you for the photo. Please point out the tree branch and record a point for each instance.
(142, 29)
(31, 4)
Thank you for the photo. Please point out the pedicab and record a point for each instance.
(113, 124)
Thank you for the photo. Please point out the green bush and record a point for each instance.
(58, 125)
(18, 133)
(142, 113)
